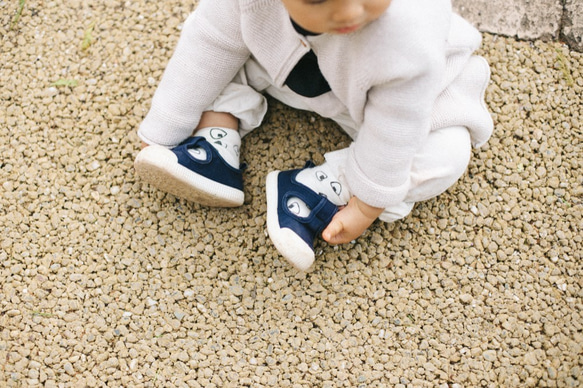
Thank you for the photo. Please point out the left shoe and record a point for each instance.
(210, 181)
(293, 235)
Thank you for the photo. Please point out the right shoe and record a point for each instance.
(294, 235)
(210, 182)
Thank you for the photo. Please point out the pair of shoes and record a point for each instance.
(210, 181)
(293, 235)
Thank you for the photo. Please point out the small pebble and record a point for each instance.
(489, 355)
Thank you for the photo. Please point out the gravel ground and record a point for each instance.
(105, 281)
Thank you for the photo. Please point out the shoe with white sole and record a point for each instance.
(293, 234)
(209, 180)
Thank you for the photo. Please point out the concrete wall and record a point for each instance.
(527, 19)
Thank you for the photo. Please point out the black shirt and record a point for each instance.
(306, 79)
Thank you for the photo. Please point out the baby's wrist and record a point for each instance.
(367, 210)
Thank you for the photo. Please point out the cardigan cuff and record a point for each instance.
(369, 191)
(162, 130)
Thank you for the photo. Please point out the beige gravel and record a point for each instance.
(105, 281)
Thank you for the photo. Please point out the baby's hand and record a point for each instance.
(350, 222)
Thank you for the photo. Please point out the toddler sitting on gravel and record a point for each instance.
(399, 76)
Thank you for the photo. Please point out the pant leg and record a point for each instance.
(241, 99)
(440, 162)
(460, 118)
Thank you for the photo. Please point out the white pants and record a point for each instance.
(439, 163)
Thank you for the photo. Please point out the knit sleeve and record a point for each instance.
(209, 53)
(397, 113)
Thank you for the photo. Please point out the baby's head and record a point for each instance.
(335, 16)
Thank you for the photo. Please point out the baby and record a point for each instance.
(399, 76)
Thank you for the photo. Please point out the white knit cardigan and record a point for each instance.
(388, 76)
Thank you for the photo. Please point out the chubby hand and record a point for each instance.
(350, 222)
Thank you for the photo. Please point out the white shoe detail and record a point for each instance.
(291, 246)
(159, 167)
(298, 207)
(225, 140)
(198, 153)
(321, 180)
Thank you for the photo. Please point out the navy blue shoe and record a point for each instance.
(210, 181)
(292, 234)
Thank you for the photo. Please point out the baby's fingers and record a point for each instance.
(333, 232)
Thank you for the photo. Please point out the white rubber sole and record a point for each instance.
(159, 167)
(290, 245)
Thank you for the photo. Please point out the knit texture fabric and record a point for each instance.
(390, 77)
